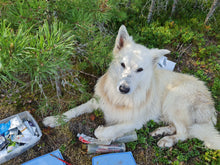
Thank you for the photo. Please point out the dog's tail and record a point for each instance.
(206, 133)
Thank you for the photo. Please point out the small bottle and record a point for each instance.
(114, 147)
(128, 137)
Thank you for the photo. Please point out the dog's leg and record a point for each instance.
(169, 141)
(161, 131)
(176, 110)
(87, 107)
(114, 131)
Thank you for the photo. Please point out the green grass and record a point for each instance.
(42, 42)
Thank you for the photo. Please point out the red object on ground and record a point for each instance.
(61, 159)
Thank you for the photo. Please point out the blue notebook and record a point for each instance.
(47, 159)
(122, 158)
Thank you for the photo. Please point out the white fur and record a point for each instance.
(177, 99)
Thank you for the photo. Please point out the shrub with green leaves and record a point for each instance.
(29, 13)
(50, 52)
(13, 46)
(35, 58)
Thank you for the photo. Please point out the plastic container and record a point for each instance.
(128, 137)
(94, 148)
(23, 115)
(124, 158)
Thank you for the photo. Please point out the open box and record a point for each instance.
(23, 115)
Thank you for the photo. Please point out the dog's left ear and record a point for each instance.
(121, 39)
(157, 54)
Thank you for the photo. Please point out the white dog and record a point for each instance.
(134, 91)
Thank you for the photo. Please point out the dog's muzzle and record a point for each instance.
(124, 89)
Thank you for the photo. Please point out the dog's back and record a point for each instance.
(181, 90)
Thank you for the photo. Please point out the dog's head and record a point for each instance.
(133, 63)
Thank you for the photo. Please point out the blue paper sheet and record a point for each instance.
(46, 159)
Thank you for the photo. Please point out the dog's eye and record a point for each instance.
(139, 69)
(123, 65)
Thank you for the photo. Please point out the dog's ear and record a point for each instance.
(121, 39)
(157, 54)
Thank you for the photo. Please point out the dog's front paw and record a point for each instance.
(161, 131)
(50, 121)
(104, 133)
(156, 133)
(167, 141)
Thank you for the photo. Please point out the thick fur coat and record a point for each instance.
(134, 91)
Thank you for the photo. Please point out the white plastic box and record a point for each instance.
(23, 115)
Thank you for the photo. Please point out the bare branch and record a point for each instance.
(167, 1)
(212, 10)
(151, 11)
(58, 86)
(174, 7)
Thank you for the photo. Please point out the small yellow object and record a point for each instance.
(11, 45)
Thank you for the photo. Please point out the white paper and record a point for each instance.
(166, 64)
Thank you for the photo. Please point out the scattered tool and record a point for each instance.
(60, 159)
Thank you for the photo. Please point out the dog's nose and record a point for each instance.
(124, 89)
